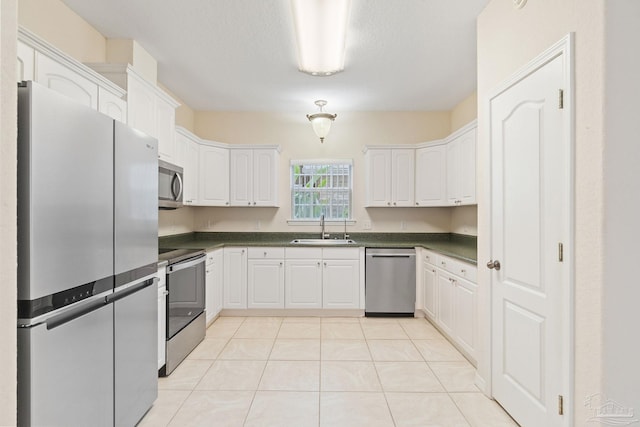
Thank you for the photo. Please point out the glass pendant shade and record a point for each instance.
(321, 122)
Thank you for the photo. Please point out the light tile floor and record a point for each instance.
(309, 371)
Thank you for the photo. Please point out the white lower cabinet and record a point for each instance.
(265, 278)
(450, 298)
(341, 283)
(429, 289)
(162, 315)
(235, 278)
(303, 283)
(213, 283)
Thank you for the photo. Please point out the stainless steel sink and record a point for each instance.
(323, 242)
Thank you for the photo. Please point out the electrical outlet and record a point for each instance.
(257, 226)
(403, 225)
(209, 224)
(366, 225)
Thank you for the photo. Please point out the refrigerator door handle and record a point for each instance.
(73, 314)
(130, 290)
(176, 177)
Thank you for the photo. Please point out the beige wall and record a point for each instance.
(349, 134)
(8, 246)
(464, 112)
(127, 51)
(507, 39)
(55, 22)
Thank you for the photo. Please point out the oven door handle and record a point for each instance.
(182, 265)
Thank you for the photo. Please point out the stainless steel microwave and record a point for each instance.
(170, 185)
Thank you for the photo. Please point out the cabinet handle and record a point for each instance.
(207, 271)
(388, 203)
(254, 203)
(433, 271)
(394, 203)
(443, 263)
(226, 203)
(249, 203)
(243, 251)
(325, 264)
(281, 264)
(265, 254)
(463, 271)
(417, 204)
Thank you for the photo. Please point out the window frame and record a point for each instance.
(304, 221)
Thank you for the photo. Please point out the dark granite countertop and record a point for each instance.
(458, 246)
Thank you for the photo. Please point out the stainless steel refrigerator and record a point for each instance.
(87, 248)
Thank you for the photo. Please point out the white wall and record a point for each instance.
(622, 204)
(507, 39)
(8, 247)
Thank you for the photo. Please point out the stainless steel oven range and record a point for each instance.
(185, 327)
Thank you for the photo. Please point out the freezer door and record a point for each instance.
(65, 193)
(136, 353)
(65, 371)
(136, 198)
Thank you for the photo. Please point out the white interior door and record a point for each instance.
(530, 204)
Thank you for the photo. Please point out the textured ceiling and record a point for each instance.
(239, 55)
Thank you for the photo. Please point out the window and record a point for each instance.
(321, 187)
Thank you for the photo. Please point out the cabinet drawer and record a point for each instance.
(266, 253)
(303, 253)
(430, 257)
(468, 271)
(341, 253)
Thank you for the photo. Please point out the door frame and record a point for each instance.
(564, 47)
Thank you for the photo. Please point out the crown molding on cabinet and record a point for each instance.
(188, 134)
(31, 39)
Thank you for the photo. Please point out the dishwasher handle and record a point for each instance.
(391, 256)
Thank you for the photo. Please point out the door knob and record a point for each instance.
(494, 264)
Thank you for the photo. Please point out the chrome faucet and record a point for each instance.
(346, 236)
(324, 235)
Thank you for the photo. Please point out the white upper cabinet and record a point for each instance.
(149, 108)
(390, 176)
(41, 62)
(56, 76)
(431, 176)
(213, 186)
(461, 168)
(253, 177)
(188, 156)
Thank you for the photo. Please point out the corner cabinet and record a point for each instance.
(461, 168)
(431, 176)
(390, 177)
(188, 150)
(254, 177)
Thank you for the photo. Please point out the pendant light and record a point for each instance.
(321, 121)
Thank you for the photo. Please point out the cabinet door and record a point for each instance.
(445, 302)
(453, 175)
(162, 316)
(467, 165)
(241, 178)
(166, 130)
(111, 105)
(403, 177)
(465, 315)
(191, 169)
(218, 280)
(341, 284)
(26, 62)
(265, 283)
(235, 278)
(265, 177)
(378, 163)
(213, 187)
(303, 283)
(431, 176)
(56, 76)
(141, 107)
(210, 295)
(429, 289)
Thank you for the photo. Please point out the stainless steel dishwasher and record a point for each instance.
(390, 282)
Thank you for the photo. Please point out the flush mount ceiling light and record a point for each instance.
(321, 32)
(321, 121)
